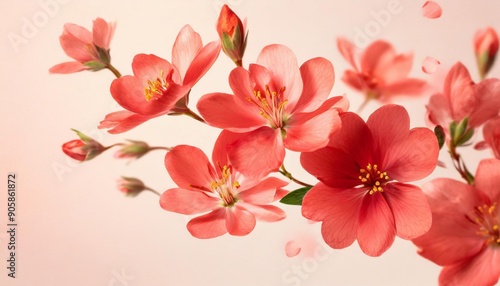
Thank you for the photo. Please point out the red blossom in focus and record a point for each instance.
(232, 35)
(464, 237)
(462, 98)
(89, 49)
(381, 73)
(276, 105)
(82, 149)
(231, 202)
(485, 48)
(363, 192)
(157, 85)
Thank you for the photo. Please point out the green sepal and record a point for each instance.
(439, 131)
(295, 197)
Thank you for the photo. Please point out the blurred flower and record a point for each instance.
(82, 149)
(158, 85)
(485, 48)
(232, 35)
(233, 202)
(131, 186)
(134, 150)
(362, 193)
(381, 73)
(464, 237)
(89, 49)
(275, 106)
(463, 99)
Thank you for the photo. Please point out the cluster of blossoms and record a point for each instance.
(364, 169)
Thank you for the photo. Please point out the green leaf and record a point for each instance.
(439, 131)
(466, 137)
(295, 197)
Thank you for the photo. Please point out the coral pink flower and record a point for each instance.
(157, 85)
(233, 202)
(464, 237)
(275, 106)
(89, 49)
(462, 98)
(362, 193)
(485, 48)
(381, 73)
(83, 149)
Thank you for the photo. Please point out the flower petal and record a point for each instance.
(68, 67)
(347, 50)
(102, 32)
(239, 221)
(185, 201)
(257, 153)
(202, 63)
(282, 64)
(431, 10)
(354, 80)
(487, 93)
(74, 41)
(377, 54)
(459, 92)
(487, 178)
(122, 121)
(227, 112)
(482, 269)
(412, 214)
(186, 46)
(318, 78)
(388, 125)
(189, 167)
(209, 225)
(263, 192)
(266, 213)
(438, 111)
(376, 230)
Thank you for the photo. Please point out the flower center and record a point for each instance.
(373, 178)
(487, 217)
(271, 105)
(224, 187)
(156, 88)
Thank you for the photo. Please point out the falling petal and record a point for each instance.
(292, 248)
(430, 65)
(482, 145)
(441, 164)
(431, 10)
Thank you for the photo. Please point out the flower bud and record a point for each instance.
(130, 186)
(232, 34)
(485, 47)
(135, 149)
(82, 149)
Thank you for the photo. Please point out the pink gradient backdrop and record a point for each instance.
(75, 228)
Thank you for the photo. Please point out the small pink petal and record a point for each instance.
(430, 65)
(292, 248)
(431, 10)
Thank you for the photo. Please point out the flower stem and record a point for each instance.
(153, 191)
(287, 174)
(114, 70)
(160, 148)
(459, 165)
(192, 114)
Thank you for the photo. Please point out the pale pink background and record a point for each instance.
(75, 228)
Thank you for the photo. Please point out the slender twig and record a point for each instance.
(287, 174)
(153, 191)
(114, 70)
(192, 114)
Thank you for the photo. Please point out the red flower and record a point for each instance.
(233, 202)
(89, 49)
(464, 237)
(275, 106)
(158, 85)
(232, 34)
(362, 193)
(485, 48)
(381, 73)
(83, 149)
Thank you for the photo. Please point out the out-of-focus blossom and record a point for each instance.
(130, 186)
(134, 149)
(233, 35)
(464, 237)
(89, 49)
(363, 192)
(379, 73)
(275, 106)
(83, 149)
(485, 48)
(157, 85)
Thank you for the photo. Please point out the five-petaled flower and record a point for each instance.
(275, 106)
(464, 237)
(90, 50)
(362, 193)
(159, 87)
(381, 73)
(233, 202)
